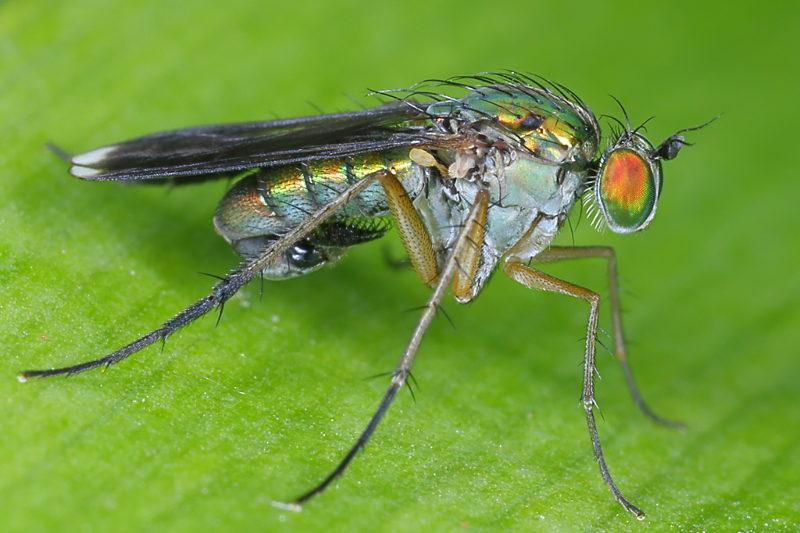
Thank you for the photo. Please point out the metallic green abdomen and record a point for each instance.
(268, 202)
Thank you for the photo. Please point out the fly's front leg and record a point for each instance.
(403, 369)
(565, 253)
(534, 279)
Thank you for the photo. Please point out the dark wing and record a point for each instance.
(208, 152)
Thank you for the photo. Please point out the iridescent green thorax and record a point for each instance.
(546, 125)
(531, 149)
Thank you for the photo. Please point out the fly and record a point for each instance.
(473, 184)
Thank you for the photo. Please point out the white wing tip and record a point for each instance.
(92, 158)
(84, 172)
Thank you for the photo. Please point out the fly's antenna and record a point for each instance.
(671, 146)
(701, 126)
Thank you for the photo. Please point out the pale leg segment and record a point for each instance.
(412, 230)
(564, 253)
(534, 279)
(403, 369)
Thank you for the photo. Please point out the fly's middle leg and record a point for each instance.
(534, 279)
(564, 253)
(413, 233)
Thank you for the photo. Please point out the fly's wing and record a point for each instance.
(208, 152)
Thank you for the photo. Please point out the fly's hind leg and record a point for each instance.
(222, 291)
(403, 369)
(564, 253)
(534, 279)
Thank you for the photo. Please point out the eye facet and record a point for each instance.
(628, 185)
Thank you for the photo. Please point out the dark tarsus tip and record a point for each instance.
(25, 375)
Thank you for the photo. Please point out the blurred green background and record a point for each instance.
(205, 434)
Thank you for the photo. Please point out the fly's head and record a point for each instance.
(628, 181)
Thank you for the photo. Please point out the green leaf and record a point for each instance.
(206, 433)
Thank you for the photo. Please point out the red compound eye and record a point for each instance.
(627, 190)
